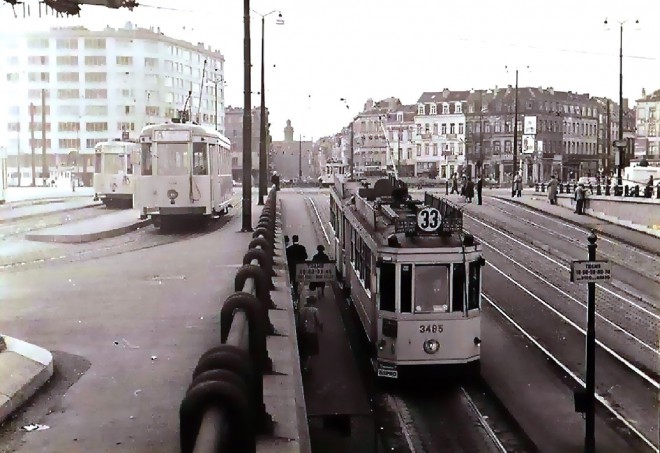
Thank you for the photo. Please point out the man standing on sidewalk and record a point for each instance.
(480, 186)
(296, 254)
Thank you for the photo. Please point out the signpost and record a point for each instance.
(590, 271)
(311, 271)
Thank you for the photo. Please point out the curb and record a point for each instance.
(89, 237)
(26, 389)
(573, 222)
(38, 214)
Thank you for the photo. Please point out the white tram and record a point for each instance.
(185, 170)
(413, 275)
(115, 164)
(332, 168)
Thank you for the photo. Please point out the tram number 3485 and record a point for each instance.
(430, 328)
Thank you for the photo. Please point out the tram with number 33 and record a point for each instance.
(412, 275)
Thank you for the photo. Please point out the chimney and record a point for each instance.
(643, 92)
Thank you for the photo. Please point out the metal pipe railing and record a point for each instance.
(223, 409)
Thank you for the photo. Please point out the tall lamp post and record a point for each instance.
(246, 217)
(263, 134)
(515, 137)
(351, 163)
(620, 145)
(300, 137)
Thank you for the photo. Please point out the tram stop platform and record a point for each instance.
(37, 208)
(338, 409)
(114, 223)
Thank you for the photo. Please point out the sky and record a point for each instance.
(360, 49)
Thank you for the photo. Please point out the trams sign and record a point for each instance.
(310, 271)
(429, 219)
(591, 271)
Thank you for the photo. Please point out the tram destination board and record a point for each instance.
(406, 224)
(590, 271)
(311, 271)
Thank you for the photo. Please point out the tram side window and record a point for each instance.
(431, 288)
(129, 164)
(200, 159)
(458, 283)
(146, 159)
(474, 284)
(388, 287)
(406, 288)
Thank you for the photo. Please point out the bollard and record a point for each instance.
(599, 190)
(636, 191)
(264, 233)
(260, 280)
(607, 190)
(542, 187)
(626, 191)
(261, 242)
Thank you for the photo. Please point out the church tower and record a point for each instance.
(288, 132)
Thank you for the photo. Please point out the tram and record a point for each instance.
(413, 275)
(114, 166)
(185, 171)
(332, 168)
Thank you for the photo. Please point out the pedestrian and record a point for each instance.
(518, 185)
(275, 180)
(648, 191)
(469, 190)
(295, 254)
(309, 327)
(480, 187)
(552, 190)
(580, 196)
(320, 257)
(463, 186)
(454, 184)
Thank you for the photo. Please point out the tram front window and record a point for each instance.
(431, 288)
(173, 159)
(474, 286)
(113, 163)
(200, 160)
(145, 163)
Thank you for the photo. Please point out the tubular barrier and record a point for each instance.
(223, 410)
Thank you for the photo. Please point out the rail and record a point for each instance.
(223, 409)
(631, 191)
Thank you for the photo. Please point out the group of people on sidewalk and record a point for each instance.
(467, 189)
(580, 195)
(309, 321)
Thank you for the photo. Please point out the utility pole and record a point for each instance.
(32, 143)
(515, 139)
(300, 159)
(44, 157)
(247, 123)
(619, 177)
(608, 140)
(352, 162)
(481, 134)
(262, 117)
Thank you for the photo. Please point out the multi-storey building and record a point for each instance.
(401, 131)
(234, 132)
(370, 145)
(440, 133)
(95, 86)
(294, 159)
(647, 142)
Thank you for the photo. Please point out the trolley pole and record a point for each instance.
(590, 271)
(247, 124)
(590, 434)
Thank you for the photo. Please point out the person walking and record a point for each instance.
(310, 326)
(552, 190)
(275, 180)
(480, 186)
(580, 196)
(296, 254)
(469, 190)
(518, 185)
(320, 257)
(454, 184)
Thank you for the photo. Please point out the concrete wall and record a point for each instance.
(640, 211)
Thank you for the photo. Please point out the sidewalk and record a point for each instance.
(538, 202)
(44, 207)
(19, 195)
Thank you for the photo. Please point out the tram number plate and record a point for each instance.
(431, 328)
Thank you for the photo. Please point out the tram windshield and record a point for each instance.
(173, 159)
(145, 161)
(431, 288)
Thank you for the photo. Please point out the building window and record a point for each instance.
(68, 110)
(12, 77)
(38, 43)
(420, 109)
(71, 43)
(69, 143)
(151, 62)
(94, 43)
(419, 150)
(445, 109)
(38, 143)
(460, 128)
(68, 127)
(652, 113)
(67, 60)
(35, 93)
(96, 127)
(38, 77)
(95, 77)
(444, 128)
(126, 126)
(92, 142)
(652, 130)
(452, 128)
(435, 128)
(435, 149)
(38, 60)
(434, 109)
(68, 76)
(96, 110)
(152, 111)
(507, 146)
(13, 127)
(426, 149)
(96, 94)
(124, 61)
(458, 108)
(96, 60)
(497, 147)
(68, 94)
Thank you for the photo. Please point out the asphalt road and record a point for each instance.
(126, 330)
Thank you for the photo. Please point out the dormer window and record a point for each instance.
(458, 108)
(420, 109)
(445, 109)
(399, 117)
(434, 109)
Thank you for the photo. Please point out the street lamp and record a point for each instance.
(352, 139)
(246, 215)
(263, 167)
(620, 144)
(515, 136)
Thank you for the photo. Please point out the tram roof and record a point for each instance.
(384, 210)
(196, 129)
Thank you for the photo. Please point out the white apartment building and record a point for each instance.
(440, 132)
(96, 86)
(401, 133)
(648, 126)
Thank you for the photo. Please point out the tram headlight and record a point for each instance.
(172, 194)
(431, 346)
